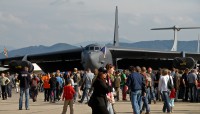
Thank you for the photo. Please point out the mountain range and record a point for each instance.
(161, 45)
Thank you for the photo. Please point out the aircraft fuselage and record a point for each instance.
(94, 56)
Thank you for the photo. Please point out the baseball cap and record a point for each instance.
(102, 69)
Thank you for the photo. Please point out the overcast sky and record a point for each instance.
(46, 22)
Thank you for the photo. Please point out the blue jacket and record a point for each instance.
(135, 82)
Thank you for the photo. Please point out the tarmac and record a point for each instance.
(10, 106)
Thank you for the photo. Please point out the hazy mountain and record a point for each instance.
(165, 45)
(101, 42)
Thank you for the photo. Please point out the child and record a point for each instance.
(68, 97)
(172, 97)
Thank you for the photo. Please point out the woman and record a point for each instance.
(4, 81)
(164, 89)
(110, 79)
(99, 94)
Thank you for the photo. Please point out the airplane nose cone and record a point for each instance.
(94, 59)
(91, 60)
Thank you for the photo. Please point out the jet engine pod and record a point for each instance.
(183, 63)
(17, 66)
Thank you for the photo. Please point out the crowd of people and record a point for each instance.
(101, 88)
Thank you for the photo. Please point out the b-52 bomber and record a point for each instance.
(94, 56)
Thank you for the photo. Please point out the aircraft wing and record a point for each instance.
(143, 54)
(125, 57)
(195, 56)
(49, 59)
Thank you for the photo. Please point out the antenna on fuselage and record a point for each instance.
(25, 58)
(116, 37)
(176, 29)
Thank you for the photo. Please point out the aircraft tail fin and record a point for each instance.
(198, 45)
(116, 38)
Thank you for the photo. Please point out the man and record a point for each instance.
(46, 85)
(192, 82)
(184, 85)
(24, 78)
(152, 90)
(76, 79)
(136, 82)
(59, 89)
(88, 77)
(122, 84)
(148, 82)
(9, 85)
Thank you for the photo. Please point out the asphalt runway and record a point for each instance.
(10, 106)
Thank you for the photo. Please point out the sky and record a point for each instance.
(26, 23)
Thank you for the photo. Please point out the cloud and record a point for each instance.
(10, 18)
(59, 2)
(182, 19)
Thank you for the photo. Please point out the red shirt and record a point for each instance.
(172, 94)
(68, 92)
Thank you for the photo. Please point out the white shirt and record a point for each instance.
(163, 83)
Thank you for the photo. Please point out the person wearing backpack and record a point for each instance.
(59, 87)
(163, 88)
(34, 87)
(53, 85)
(76, 79)
(117, 84)
(88, 77)
(123, 84)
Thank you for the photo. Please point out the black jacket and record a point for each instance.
(25, 79)
(99, 93)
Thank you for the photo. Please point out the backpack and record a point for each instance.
(75, 78)
(169, 84)
(117, 81)
(34, 83)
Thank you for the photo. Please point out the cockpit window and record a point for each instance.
(97, 48)
(86, 48)
(91, 48)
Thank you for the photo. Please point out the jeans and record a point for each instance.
(193, 92)
(136, 101)
(145, 104)
(85, 94)
(22, 91)
(76, 92)
(110, 108)
(4, 93)
(148, 94)
(53, 95)
(152, 93)
(166, 99)
(46, 94)
(9, 90)
(198, 94)
(171, 103)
